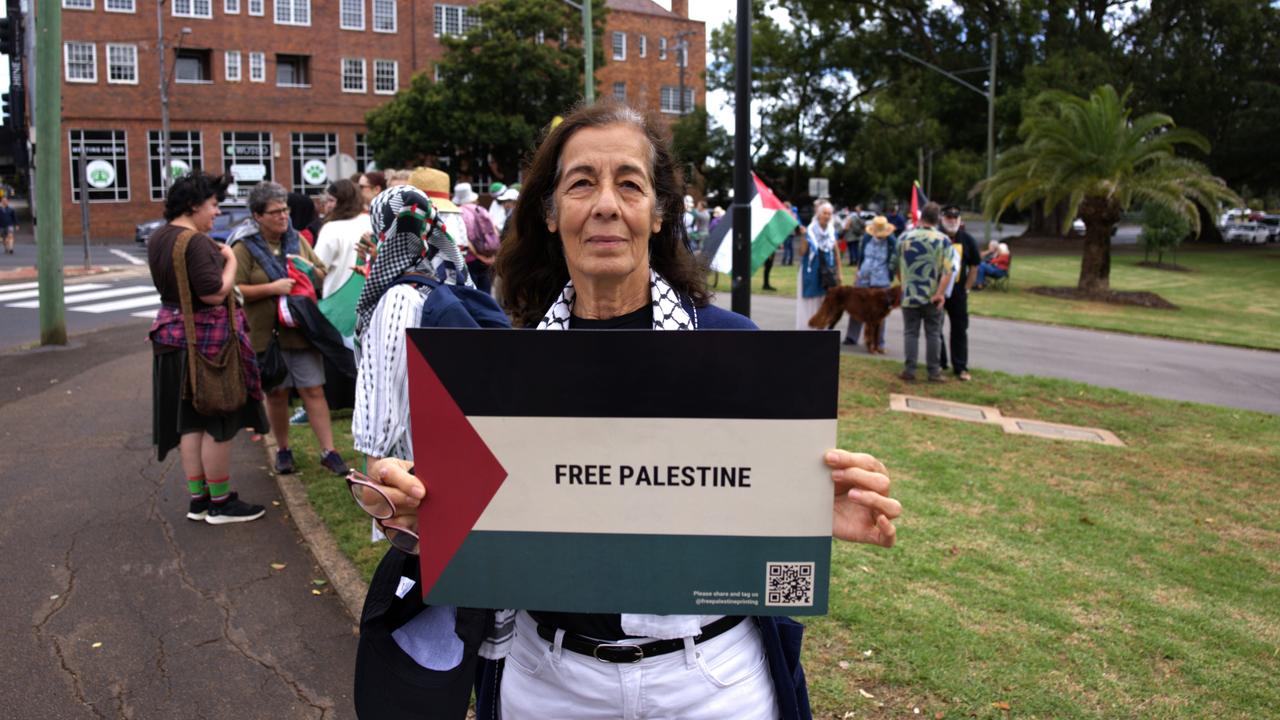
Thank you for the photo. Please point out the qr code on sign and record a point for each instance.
(789, 584)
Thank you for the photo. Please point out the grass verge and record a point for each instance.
(1059, 580)
(1231, 297)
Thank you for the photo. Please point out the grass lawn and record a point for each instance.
(1062, 580)
(1231, 298)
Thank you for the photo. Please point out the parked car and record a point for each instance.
(142, 231)
(1077, 226)
(1252, 233)
(222, 225)
(1272, 223)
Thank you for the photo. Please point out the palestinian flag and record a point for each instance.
(918, 201)
(771, 223)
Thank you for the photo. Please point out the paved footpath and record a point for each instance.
(1199, 372)
(95, 548)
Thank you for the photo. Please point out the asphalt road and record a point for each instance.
(115, 604)
(1213, 374)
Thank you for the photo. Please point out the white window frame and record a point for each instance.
(191, 9)
(364, 75)
(134, 64)
(228, 66)
(662, 48)
(343, 7)
(673, 92)
(620, 86)
(260, 5)
(71, 5)
(613, 43)
(440, 19)
(230, 7)
(642, 48)
(307, 72)
(132, 6)
(395, 76)
(260, 70)
(293, 10)
(66, 61)
(380, 19)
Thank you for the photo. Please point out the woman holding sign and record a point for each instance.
(597, 242)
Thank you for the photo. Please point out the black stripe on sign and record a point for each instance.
(749, 374)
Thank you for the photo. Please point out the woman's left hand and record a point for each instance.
(863, 511)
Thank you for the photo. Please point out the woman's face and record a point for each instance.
(275, 220)
(203, 214)
(368, 191)
(605, 203)
(824, 215)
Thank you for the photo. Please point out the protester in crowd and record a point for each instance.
(341, 233)
(506, 204)
(717, 213)
(895, 218)
(995, 263)
(262, 274)
(435, 185)
(8, 223)
(957, 303)
(303, 216)
(482, 236)
(371, 183)
(701, 225)
(204, 441)
(497, 213)
(854, 230)
(873, 255)
(606, 171)
(921, 265)
(397, 176)
(819, 264)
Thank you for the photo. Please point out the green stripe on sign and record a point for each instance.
(659, 574)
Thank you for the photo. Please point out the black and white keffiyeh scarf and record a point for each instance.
(411, 237)
(668, 311)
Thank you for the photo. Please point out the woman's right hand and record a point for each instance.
(404, 490)
(283, 286)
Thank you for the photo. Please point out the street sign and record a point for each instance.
(340, 166)
(820, 187)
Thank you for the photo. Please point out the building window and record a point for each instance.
(435, 72)
(231, 7)
(453, 20)
(309, 153)
(386, 77)
(620, 91)
(185, 157)
(540, 37)
(384, 16)
(257, 67)
(193, 8)
(364, 158)
(232, 65)
(257, 7)
(120, 6)
(619, 46)
(246, 157)
(99, 158)
(122, 64)
(192, 66)
(353, 75)
(293, 12)
(77, 4)
(671, 99)
(351, 15)
(662, 48)
(291, 71)
(81, 61)
(643, 47)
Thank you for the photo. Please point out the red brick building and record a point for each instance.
(269, 89)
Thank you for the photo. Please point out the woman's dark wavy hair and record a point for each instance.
(531, 263)
(191, 191)
(347, 202)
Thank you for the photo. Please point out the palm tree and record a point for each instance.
(1089, 153)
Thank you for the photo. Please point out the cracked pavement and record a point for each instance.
(116, 605)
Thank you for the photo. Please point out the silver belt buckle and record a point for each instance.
(638, 652)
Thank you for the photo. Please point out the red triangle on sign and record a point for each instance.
(459, 470)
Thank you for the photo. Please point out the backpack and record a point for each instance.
(455, 306)
(481, 234)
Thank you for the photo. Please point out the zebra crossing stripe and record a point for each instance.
(20, 286)
(67, 291)
(125, 304)
(148, 314)
(90, 296)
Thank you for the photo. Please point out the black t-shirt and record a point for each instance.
(204, 265)
(970, 257)
(601, 626)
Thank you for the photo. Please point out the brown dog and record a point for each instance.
(869, 306)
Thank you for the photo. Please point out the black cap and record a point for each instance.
(951, 211)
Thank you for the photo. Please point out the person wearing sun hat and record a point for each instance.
(872, 256)
(435, 185)
(503, 205)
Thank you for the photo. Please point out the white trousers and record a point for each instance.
(724, 677)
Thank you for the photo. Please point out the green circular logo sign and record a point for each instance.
(100, 174)
(314, 173)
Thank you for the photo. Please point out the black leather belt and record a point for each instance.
(614, 652)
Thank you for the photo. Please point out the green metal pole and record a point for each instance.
(991, 133)
(48, 116)
(588, 54)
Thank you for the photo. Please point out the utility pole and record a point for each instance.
(682, 61)
(742, 189)
(165, 171)
(48, 116)
(588, 50)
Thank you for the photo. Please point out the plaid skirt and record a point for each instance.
(172, 416)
